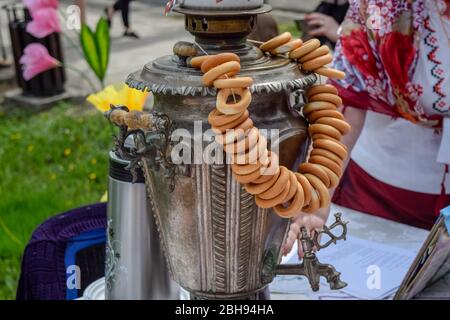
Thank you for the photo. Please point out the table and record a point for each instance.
(360, 225)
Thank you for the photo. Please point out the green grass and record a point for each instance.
(50, 162)
(289, 27)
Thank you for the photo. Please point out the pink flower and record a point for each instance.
(34, 5)
(45, 22)
(36, 59)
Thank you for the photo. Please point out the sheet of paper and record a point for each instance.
(372, 270)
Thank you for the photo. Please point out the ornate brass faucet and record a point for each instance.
(310, 266)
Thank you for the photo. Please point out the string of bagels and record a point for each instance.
(253, 165)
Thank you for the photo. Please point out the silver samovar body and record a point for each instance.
(218, 243)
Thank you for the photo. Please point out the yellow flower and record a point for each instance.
(92, 176)
(67, 152)
(121, 94)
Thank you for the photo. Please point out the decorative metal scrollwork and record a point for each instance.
(154, 145)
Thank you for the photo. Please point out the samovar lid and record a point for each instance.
(218, 31)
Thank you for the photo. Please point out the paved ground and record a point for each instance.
(158, 34)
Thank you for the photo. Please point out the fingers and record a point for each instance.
(315, 15)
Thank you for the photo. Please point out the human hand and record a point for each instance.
(311, 221)
(322, 25)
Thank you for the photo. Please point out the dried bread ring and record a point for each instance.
(315, 170)
(245, 169)
(231, 125)
(324, 161)
(217, 59)
(228, 69)
(196, 62)
(327, 154)
(332, 146)
(287, 47)
(247, 142)
(278, 186)
(258, 188)
(320, 188)
(330, 73)
(317, 62)
(273, 43)
(237, 82)
(243, 179)
(234, 134)
(317, 106)
(324, 129)
(340, 125)
(252, 154)
(321, 88)
(271, 170)
(270, 203)
(305, 48)
(293, 187)
(334, 178)
(320, 51)
(329, 97)
(314, 203)
(273, 166)
(233, 108)
(322, 136)
(296, 204)
(306, 186)
(217, 119)
(312, 117)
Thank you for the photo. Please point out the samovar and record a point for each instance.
(218, 243)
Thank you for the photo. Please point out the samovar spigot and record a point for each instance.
(310, 267)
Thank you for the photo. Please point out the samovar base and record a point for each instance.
(262, 294)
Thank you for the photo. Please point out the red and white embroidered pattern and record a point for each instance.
(436, 71)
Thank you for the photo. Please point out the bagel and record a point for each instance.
(331, 146)
(324, 161)
(217, 59)
(247, 142)
(314, 203)
(306, 186)
(317, 106)
(312, 117)
(228, 69)
(304, 49)
(237, 82)
(278, 186)
(270, 203)
(317, 62)
(340, 125)
(329, 97)
(334, 178)
(233, 108)
(324, 129)
(327, 154)
(295, 206)
(315, 170)
(196, 62)
(321, 88)
(320, 51)
(287, 47)
(320, 188)
(330, 73)
(217, 119)
(233, 124)
(234, 134)
(273, 43)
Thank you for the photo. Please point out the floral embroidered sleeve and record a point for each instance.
(377, 49)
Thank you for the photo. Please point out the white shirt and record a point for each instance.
(403, 154)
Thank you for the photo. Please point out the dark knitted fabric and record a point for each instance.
(43, 274)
